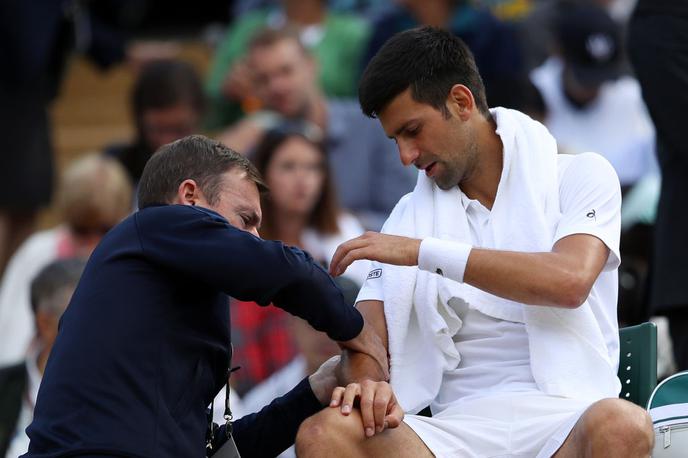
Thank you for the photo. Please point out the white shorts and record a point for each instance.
(524, 425)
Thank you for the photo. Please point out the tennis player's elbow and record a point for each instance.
(572, 291)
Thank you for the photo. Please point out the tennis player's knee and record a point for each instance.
(616, 424)
(329, 432)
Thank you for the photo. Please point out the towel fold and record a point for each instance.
(568, 354)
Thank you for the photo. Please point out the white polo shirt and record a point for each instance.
(494, 353)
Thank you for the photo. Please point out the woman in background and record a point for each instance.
(300, 210)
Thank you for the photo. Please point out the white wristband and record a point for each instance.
(444, 257)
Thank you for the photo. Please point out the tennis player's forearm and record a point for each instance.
(549, 279)
(355, 366)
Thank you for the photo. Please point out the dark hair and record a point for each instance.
(165, 83)
(53, 279)
(429, 61)
(194, 157)
(323, 218)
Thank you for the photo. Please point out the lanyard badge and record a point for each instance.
(229, 448)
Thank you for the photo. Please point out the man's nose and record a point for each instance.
(408, 152)
(278, 84)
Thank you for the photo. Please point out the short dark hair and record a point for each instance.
(165, 83)
(194, 157)
(324, 216)
(52, 280)
(429, 61)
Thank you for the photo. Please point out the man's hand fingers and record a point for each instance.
(351, 256)
(337, 395)
(389, 249)
(350, 393)
(339, 253)
(383, 395)
(366, 405)
(378, 406)
(395, 416)
(342, 251)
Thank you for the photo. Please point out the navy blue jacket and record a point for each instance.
(143, 347)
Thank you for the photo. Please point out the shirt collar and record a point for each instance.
(469, 204)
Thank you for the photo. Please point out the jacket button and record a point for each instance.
(438, 271)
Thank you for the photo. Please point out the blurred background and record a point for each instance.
(91, 88)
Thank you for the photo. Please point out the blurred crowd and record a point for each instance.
(281, 88)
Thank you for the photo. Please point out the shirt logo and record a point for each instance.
(376, 273)
(600, 47)
(591, 214)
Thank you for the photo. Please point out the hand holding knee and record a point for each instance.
(378, 405)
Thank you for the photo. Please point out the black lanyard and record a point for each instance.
(210, 434)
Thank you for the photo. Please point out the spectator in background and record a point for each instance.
(167, 103)
(37, 39)
(301, 210)
(537, 29)
(658, 44)
(94, 195)
(336, 40)
(50, 292)
(493, 43)
(590, 107)
(363, 162)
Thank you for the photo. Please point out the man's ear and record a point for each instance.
(460, 102)
(188, 193)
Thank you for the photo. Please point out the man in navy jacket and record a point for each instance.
(144, 344)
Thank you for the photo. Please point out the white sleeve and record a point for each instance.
(372, 287)
(590, 203)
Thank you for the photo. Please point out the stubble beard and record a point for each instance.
(459, 173)
(447, 181)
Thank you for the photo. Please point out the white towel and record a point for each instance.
(568, 354)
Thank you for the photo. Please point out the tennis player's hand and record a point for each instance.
(378, 405)
(369, 343)
(374, 246)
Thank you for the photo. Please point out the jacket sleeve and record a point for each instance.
(272, 430)
(200, 246)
